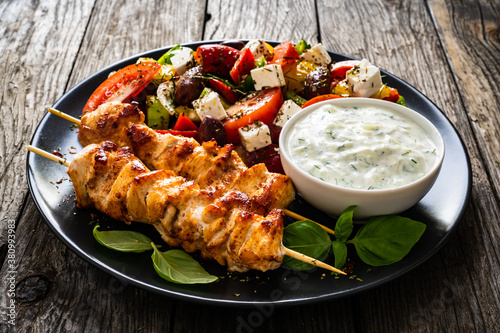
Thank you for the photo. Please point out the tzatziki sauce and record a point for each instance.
(365, 147)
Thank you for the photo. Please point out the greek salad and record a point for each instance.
(238, 92)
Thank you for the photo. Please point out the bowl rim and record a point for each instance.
(402, 110)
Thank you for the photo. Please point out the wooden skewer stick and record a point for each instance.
(310, 260)
(288, 252)
(50, 156)
(300, 217)
(287, 212)
(64, 116)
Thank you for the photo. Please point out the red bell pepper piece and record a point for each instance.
(393, 95)
(242, 66)
(320, 98)
(183, 123)
(285, 54)
(188, 134)
(224, 90)
(217, 59)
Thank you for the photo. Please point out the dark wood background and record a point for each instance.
(449, 50)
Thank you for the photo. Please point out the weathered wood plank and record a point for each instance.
(469, 32)
(270, 20)
(60, 292)
(35, 36)
(120, 29)
(33, 77)
(400, 37)
(35, 81)
(455, 290)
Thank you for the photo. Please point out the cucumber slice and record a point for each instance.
(157, 116)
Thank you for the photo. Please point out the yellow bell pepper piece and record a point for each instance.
(296, 75)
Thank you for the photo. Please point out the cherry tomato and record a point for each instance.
(393, 95)
(320, 98)
(268, 155)
(242, 66)
(217, 59)
(224, 90)
(339, 69)
(285, 54)
(183, 123)
(125, 83)
(262, 105)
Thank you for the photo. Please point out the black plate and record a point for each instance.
(441, 209)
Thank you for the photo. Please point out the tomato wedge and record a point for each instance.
(224, 90)
(242, 66)
(262, 105)
(285, 54)
(393, 95)
(125, 83)
(340, 69)
(217, 59)
(320, 98)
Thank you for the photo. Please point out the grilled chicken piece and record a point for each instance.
(209, 165)
(105, 182)
(109, 123)
(256, 240)
(117, 183)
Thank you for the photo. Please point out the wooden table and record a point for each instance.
(448, 50)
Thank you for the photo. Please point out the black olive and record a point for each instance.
(189, 86)
(236, 44)
(318, 82)
(212, 129)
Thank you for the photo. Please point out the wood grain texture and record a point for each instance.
(271, 20)
(32, 78)
(54, 46)
(120, 29)
(453, 297)
(48, 47)
(470, 34)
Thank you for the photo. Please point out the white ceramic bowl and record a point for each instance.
(333, 199)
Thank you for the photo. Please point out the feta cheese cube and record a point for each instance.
(258, 48)
(210, 105)
(318, 55)
(364, 80)
(183, 60)
(255, 136)
(287, 110)
(267, 77)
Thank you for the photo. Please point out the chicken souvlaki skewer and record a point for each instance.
(218, 168)
(115, 182)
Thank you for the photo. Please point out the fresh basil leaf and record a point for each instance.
(165, 58)
(179, 267)
(344, 225)
(307, 238)
(385, 240)
(340, 253)
(123, 240)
